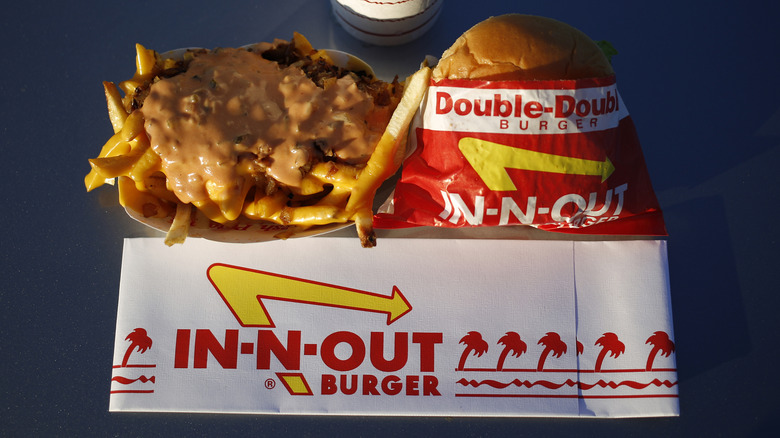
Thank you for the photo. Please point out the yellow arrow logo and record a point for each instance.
(490, 160)
(244, 291)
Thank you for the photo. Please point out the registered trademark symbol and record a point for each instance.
(270, 383)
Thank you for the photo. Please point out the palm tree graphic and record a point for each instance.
(138, 340)
(512, 344)
(474, 343)
(661, 344)
(609, 343)
(552, 344)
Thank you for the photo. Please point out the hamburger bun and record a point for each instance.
(522, 47)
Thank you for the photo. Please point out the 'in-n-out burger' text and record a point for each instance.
(407, 371)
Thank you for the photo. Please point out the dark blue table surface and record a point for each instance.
(699, 78)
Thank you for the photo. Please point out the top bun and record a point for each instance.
(522, 47)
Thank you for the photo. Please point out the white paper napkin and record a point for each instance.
(412, 327)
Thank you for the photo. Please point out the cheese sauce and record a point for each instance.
(234, 116)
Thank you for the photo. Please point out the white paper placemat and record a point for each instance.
(412, 327)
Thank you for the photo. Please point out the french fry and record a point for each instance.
(113, 147)
(180, 226)
(310, 185)
(337, 196)
(145, 203)
(147, 164)
(117, 145)
(382, 163)
(302, 43)
(338, 174)
(377, 168)
(129, 87)
(145, 61)
(211, 210)
(229, 205)
(266, 207)
(156, 184)
(364, 224)
(133, 126)
(313, 215)
(114, 166)
(116, 109)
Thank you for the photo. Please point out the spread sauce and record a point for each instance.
(234, 119)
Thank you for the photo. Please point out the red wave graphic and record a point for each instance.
(570, 383)
(629, 383)
(126, 381)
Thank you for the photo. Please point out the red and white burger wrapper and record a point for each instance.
(556, 155)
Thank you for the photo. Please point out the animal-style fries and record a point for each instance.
(269, 134)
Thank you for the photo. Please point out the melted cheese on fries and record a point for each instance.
(273, 132)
